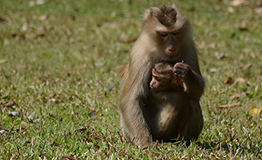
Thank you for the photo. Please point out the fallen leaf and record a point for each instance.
(39, 158)
(127, 14)
(37, 120)
(156, 144)
(89, 144)
(31, 3)
(213, 70)
(229, 81)
(68, 156)
(23, 124)
(43, 17)
(213, 45)
(92, 114)
(230, 9)
(40, 2)
(220, 55)
(13, 35)
(3, 131)
(129, 40)
(241, 80)
(229, 105)
(255, 111)
(201, 46)
(96, 147)
(247, 66)
(83, 128)
(239, 95)
(50, 100)
(192, 9)
(24, 27)
(3, 102)
(3, 61)
(34, 36)
(31, 116)
(243, 27)
(13, 113)
(259, 11)
(2, 19)
(9, 104)
(239, 2)
(53, 143)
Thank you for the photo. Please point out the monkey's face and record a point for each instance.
(168, 38)
(160, 81)
(160, 84)
(155, 83)
(165, 27)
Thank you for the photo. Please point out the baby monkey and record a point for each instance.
(163, 77)
(177, 116)
(171, 103)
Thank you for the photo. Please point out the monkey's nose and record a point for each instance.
(171, 52)
(171, 49)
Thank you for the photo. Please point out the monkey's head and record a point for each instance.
(169, 28)
(162, 77)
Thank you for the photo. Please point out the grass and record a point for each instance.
(59, 63)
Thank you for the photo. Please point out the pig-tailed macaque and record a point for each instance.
(163, 77)
(166, 37)
(167, 94)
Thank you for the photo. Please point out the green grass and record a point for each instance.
(59, 62)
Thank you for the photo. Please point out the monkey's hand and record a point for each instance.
(193, 83)
(183, 71)
(177, 80)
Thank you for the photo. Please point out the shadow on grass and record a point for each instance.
(232, 147)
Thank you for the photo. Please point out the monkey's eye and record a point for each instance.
(162, 34)
(158, 78)
(175, 33)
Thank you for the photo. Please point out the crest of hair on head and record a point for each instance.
(163, 68)
(166, 15)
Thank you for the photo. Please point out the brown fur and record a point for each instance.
(163, 77)
(166, 15)
(172, 104)
(141, 116)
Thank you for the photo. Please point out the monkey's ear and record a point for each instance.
(177, 81)
(149, 13)
(174, 81)
(154, 71)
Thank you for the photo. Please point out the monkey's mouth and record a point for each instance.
(155, 89)
(169, 61)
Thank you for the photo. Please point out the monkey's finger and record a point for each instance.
(181, 66)
(180, 75)
(179, 70)
(178, 63)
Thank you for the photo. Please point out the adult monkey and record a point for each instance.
(166, 36)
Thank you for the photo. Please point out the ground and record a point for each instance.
(59, 82)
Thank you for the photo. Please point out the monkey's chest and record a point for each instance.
(167, 118)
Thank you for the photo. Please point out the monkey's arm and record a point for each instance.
(132, 119)
(134, 124)
(193, 82)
